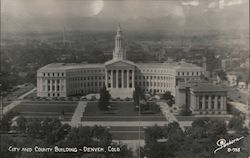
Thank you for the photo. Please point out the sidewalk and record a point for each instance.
(76, 118)
(171, 117)
(12, 105)
(27, 93)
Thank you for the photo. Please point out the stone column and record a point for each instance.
(133, 78)
(209, 103)
(122, 78)
(106, 78)
(127, 78)
(51, 85)
(55, 85)
(216, 102)
(197, 103)
(112, 74)
(221, 102)
(224, 103)
(116, 82)
(203, 102)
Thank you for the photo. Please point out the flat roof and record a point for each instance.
(68, 66)
(173, 65)
(207, 87)
(201, 86)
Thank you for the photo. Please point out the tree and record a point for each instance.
(138, 96)
(21, 124)
(185, 111)
(163, 141)
(5, 123)
(104, 99)
(222, 74)
(204, 128)
(237, 123)
(169, 98)
(5, 143)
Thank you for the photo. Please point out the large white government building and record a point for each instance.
(119, 75)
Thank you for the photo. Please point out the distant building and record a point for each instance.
(120, 76)
(245, 64)
(230, 63)
(202, 97)
(232, 79)
(242, 85)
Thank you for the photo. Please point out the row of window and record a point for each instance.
(103, 77)
(52, 81)
(84, 78)
(86, 84)
(154, 77)
(54, 74)
(189, 73)
(77, 72)
(53, 88)
(153, 70)
(53, 94)
(154, 84)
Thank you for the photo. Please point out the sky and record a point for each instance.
(52, 15)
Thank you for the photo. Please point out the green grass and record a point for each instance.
(120, 111)
(117, 109)
(46, 109)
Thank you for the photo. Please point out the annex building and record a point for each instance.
(119, 75)
(202, 97)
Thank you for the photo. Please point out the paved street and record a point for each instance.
(119, 123)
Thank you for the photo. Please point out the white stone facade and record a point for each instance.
(120, 76)
(202, 98)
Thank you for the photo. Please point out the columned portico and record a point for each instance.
(120, 82)
(120, 78)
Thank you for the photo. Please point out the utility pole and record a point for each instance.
(139, 117)
(1, 107)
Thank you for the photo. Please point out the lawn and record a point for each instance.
(46, 109)
(120, 111)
